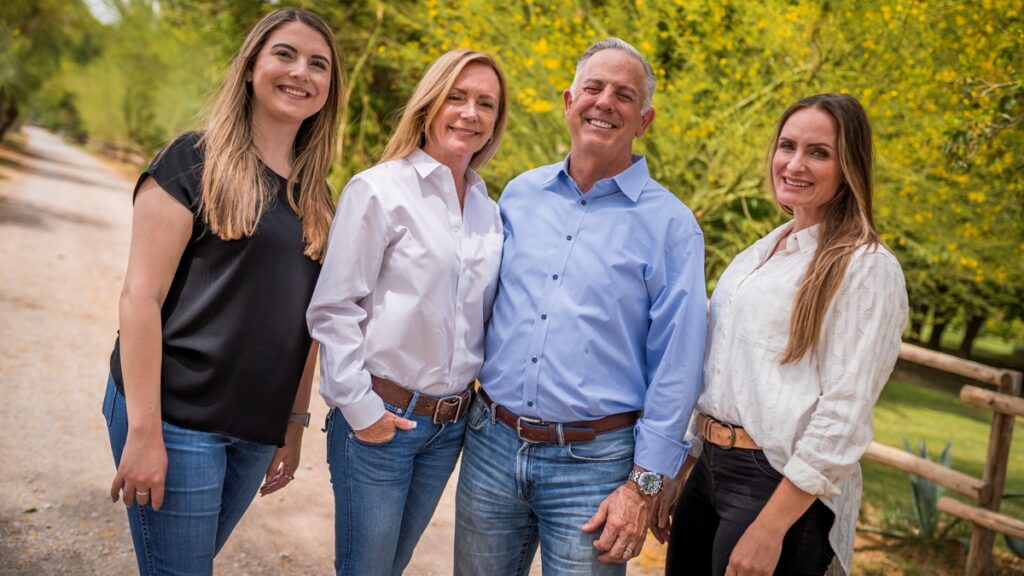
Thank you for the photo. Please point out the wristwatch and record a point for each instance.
(300, 419)
(649, 482)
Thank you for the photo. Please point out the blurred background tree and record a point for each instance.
(940, 80)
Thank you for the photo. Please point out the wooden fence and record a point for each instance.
(1005, 404)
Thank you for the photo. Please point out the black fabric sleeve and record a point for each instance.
(178, 169)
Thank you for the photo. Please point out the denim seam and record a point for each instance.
(772, 475)
(146, 544)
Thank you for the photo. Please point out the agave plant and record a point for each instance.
(925, 494)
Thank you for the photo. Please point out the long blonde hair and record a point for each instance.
(235, 189)
(428, 98)
(848, 222)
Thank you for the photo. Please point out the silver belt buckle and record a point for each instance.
(449, 401)
(519, 427)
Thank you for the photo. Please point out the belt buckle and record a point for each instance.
(519, 427)
(450, 401)
(732, 435)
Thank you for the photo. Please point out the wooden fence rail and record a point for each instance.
(1005, 404)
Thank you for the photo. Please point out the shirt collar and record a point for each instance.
(805, 240)
(425, 165)
(630, 182)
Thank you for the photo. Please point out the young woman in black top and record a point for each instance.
(210, 375)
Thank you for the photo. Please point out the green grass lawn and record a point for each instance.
(933, 416)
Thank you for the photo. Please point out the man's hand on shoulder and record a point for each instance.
(625, 515)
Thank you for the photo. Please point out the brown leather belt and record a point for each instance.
(725, 435)
(541, 432)
(446, 409)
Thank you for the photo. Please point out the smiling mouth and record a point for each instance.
(294, 92)
(797, 183)
(600, 123)
(465, 133)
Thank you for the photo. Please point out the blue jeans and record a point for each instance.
(211, 480)
(386, 493)
(515, 495)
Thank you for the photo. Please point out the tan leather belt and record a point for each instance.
(725, 435)
(541, 432)
(446, 409)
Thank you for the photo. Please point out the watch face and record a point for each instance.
(649, 482)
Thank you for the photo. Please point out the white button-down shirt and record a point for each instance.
(813, 417)
(406, 287)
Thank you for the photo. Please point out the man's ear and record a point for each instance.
(567, 103)
(645, 121)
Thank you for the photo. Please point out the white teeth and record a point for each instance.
(599, 123)
(795, 183)
(294, 92)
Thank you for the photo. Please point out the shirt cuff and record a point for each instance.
(364, 412)
(806, 478)
(656, 452)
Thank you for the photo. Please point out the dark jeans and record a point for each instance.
(723, 496)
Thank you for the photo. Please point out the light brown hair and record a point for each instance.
(428, 98)
(848, 222)
(235, 189)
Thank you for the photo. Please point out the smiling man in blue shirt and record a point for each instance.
(594, 349)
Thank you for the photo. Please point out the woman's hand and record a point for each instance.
(757, 552)
(140, 477)
(384, 428)
(286, 461)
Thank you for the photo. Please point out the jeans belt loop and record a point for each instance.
(411, 408)
(561, 435)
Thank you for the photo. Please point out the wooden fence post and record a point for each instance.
(979, 558)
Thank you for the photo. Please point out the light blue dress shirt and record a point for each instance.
(601, 306)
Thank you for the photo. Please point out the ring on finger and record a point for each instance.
(289, 476)
(142, 492)
(629, 550)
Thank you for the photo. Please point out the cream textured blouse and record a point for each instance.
(813, 417)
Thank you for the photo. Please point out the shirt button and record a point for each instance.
(534, 359)
(554, 276)
(543, 316)
(455, 229)
(569, 237)
(530, 403)
(583, 202)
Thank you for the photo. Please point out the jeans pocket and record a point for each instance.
(608, 447)
(109, 399)
(761, 463)
(479, 414)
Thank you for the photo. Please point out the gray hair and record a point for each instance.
(612, 43)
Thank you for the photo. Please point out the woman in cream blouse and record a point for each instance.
(804, 331)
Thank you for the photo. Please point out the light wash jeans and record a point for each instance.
(514, 495)
(385, 494)
(211, 480)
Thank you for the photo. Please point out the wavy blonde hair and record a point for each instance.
(428, 98)
(848, 222)
(235, 188)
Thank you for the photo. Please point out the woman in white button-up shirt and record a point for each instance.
(804, 330)
(400, 309)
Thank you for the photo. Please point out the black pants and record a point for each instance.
(724, 494)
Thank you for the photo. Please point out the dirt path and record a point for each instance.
(65, 219)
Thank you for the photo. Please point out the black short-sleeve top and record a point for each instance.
(234, 331)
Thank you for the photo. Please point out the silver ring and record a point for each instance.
(142, 492)
(629, 550)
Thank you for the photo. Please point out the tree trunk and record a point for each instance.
(8, 116)
(974, 325)
(938, 327)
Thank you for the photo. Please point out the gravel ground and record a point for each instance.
(65, 218)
